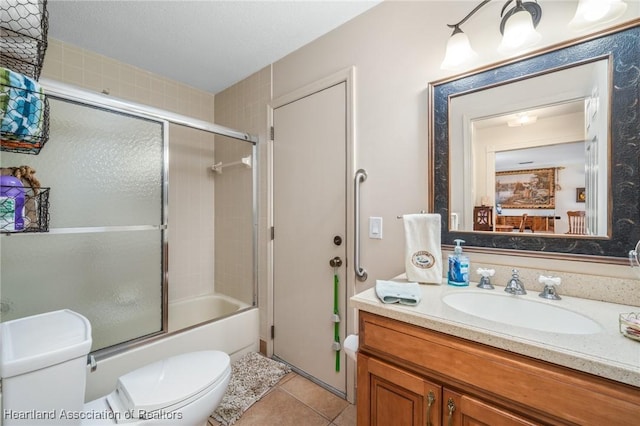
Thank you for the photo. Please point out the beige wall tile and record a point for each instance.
(234, 238)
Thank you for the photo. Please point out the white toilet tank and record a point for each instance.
(43, 362)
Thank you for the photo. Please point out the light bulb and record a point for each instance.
(459, 51)
(591, 13)
(519, 33)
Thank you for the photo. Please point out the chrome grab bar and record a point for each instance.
(361, 273)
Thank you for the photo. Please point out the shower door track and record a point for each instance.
(95, 229)
(72, 93)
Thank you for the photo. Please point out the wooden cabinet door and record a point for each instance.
(389, 396)
(464, 410)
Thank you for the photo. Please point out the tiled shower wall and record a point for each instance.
(242, 106)
(86, 69)
(191, 204)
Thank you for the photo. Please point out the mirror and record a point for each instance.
(546, 138)
(517, 145)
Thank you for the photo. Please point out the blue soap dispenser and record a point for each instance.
(458, 266)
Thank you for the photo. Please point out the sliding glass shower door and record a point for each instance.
(104, 254)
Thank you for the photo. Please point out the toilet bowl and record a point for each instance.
(184, 389)
(43, 369)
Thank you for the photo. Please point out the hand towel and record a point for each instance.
(21, 105)
(423, 254)
(395, 292)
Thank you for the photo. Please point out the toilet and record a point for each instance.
(43, 368)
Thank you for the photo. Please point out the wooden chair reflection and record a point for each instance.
(577, 222)
(525, 224)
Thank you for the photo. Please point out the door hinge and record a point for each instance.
(273, 232)
(273, 332)
(272, 133)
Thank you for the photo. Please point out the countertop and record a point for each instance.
(606, 353)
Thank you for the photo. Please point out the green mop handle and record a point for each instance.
(335, 263)
(336, 325)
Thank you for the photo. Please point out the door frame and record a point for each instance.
(346, 76)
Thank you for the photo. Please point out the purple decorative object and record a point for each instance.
(12, 196)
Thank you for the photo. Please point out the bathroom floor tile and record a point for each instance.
(316, 397)
(279, 408)
(297, 401)
(347, 417)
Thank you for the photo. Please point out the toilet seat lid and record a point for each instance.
(166, 383)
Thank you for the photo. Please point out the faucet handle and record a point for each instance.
(549, 280)
(550, 284)
(485, 280)
(485, 272)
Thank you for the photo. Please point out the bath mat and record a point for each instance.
(251, 377)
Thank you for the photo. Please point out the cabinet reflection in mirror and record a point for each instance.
(513, 143)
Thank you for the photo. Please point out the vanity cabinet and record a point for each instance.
(410, 375)
(396, 397)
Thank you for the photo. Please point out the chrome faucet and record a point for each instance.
(515, 286)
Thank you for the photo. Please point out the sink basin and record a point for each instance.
(521, 312)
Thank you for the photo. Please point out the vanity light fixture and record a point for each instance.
(517, 27)
(593, 12)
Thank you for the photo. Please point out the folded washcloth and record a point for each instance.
(423, 254)
(395, 292)
(21, 106)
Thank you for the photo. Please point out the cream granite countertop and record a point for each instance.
(606, 353)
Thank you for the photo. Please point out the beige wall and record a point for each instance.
(396, 48)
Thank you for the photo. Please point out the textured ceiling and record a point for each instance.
(206, 44)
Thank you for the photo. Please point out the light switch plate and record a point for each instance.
(375, 228)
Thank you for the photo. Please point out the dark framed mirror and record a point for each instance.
(615, 187)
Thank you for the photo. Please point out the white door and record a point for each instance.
(309, 193)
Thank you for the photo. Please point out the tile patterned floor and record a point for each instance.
(297, 401)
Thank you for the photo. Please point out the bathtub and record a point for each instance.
(235, 334)
(188, 312)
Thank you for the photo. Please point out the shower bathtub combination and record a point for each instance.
(199, 310)
(106, 253)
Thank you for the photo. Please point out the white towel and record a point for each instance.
(423, 254)
(395, 292)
